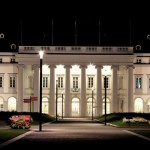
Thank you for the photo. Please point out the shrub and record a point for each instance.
(20, 122)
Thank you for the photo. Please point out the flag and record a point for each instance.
(34, 98)
(27, 100)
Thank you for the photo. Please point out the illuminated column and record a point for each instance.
(114, 101)
(36, 87)
(52, 90)
(99, 90)
(67, 100)
(130, 88)
(83, 91)
(20, 88)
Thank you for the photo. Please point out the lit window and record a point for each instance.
(90, 82)
(1, 81)
(12, 82)
(75, 82)
(138, 82)
(60, 82)
(107, 81)
(45, 82)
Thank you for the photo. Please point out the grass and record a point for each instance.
(7, 134)
(120, 123)
(117, 120)
(145, 133)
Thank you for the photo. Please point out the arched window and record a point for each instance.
(59, 105)
(138, 105)
(12, 104)
(89, 107)
(75, 107)
(45, 105)
(1, 104)
(2, 36)
(148, 105)
(107, 106)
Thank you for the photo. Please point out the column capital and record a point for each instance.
(35, 66)
(21, 66)
(52, 66)
(130, 67)
(115, 67)
(67, 66)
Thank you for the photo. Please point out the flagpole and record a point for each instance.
(99, 32)
(75, 23)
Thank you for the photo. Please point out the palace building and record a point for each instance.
(73, 80)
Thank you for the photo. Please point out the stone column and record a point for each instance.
(114, 101)
(36, 88)
(99, 90)
(52, 90)
(67, 100)
(83, 91)
(130, 88)
(20, 88)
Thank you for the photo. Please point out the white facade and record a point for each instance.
(80, 73)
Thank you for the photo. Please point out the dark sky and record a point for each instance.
(67, 26)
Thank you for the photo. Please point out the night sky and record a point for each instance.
(70, 28)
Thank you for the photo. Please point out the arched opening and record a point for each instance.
(1, 104)
(12, 104)
(107, 106)
(75, 107)
(60, 105)
(45, 105)
(89, 107)
(138, 105)
(148, 105)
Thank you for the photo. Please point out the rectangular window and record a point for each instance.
(106, 81)
(1, 81)
(12, 82)
(149, 83)
(60, 82)
(90, 82)
(45, 82)
(75, 83)
(138, 83)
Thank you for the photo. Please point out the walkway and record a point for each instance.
(74, 133)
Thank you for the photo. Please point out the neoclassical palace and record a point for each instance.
(73, 80)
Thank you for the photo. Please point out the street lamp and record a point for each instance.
(92, 102)
(56, 97)
(41, 53)
(62, 104)
(105, 84)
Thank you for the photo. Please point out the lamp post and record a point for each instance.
(41, 53)
(105, 84)
(56, 97)
(62, 105)
(92, 102)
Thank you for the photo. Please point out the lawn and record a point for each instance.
(7, 134)
(145, 133)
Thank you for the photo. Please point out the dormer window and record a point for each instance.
(2, 36)
(13, 46)
(138, 61)
(138, 47)
(12, 60)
